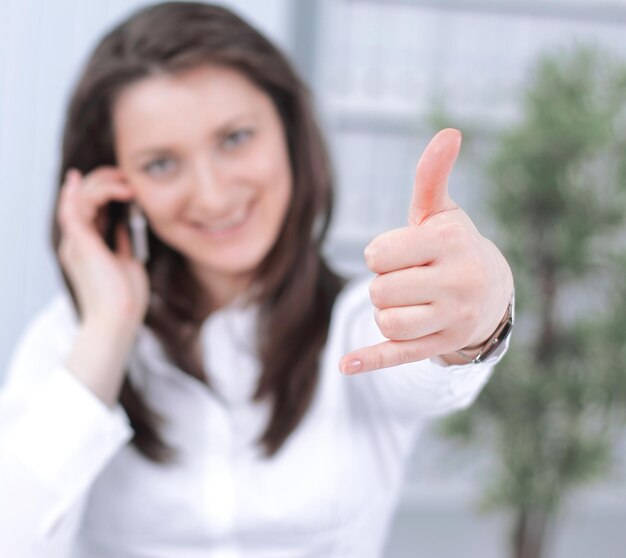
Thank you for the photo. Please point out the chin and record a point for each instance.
(231, 263)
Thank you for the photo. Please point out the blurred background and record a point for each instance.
(536, 467)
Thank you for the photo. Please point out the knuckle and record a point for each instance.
(409, 354)
(468, 313)
(386, 324)
(374, 252)
(372, 257)
(453, 235)
(378, 361)
(90, 189)
(376, 291)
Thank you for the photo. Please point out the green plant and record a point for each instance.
(557, 400)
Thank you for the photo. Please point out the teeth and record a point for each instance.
(226, 224)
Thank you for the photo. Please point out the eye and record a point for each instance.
(160, 166)
(237, 138)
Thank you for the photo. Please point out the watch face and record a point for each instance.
(497, 341)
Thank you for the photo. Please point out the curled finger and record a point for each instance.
(405, 287)
(408, 322)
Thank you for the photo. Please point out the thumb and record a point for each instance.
(430, 189)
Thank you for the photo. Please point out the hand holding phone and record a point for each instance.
(102, 241)
(106, 272)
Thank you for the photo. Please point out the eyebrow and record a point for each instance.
(149, 152)
(157, 150)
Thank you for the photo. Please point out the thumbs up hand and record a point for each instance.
(440, 285)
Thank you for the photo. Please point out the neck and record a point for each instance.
(222, 289)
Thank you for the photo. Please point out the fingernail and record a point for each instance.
(351, 366)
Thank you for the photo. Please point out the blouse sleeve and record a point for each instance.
(55, 438)
(429, 388)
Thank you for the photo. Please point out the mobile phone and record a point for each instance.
(138, 233)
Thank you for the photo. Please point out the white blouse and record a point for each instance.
(71, 484)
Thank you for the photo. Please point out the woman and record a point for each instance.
(192, 405)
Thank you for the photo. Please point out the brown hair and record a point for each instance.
(298, 289)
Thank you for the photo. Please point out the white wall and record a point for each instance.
(42, 45)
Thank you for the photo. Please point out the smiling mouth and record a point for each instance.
(227, 226)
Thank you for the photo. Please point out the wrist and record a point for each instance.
(481, 351)
(111, 328)
(98, 359)
(484, 338)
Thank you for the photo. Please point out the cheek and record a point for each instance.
(163, 214)
(160, 204)
(284, 194)
(278, 192)
(277, 180)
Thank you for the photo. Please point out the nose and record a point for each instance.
(211, 195)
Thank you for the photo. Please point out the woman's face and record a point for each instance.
(206, 156)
